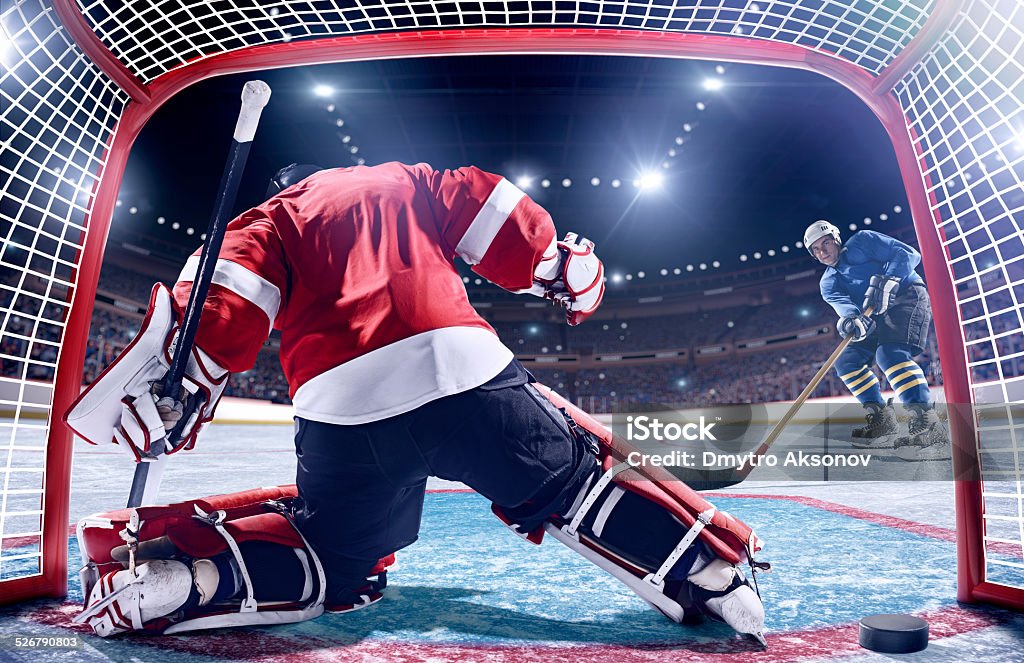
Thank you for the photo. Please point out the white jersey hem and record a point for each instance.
(402, 376)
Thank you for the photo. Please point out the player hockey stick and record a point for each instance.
(715, 479)
(148, 473)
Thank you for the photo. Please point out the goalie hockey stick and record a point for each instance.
(715, 479)
(146, 482)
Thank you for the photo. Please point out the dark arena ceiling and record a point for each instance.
(747, 156)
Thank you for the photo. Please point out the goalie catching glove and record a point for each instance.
(572, 276)
(124, 404)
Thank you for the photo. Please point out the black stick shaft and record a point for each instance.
(255, 95)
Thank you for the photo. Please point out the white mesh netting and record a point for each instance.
(58, 112)
(154, 37)
(965, 102)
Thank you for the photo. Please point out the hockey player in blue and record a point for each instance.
(874, 272)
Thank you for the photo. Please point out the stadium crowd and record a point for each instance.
(30, 344)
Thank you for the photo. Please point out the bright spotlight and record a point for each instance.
(651, 180)
(713, 84)
(616, 278)
(524, 182)
(322, 90)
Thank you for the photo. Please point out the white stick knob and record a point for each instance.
(255, 96)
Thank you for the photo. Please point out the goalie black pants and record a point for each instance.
(362, 486)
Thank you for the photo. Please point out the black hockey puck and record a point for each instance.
(893, 634)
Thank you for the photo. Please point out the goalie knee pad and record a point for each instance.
(656, 535)
(229, 560)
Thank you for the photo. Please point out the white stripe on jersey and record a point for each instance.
(241, 281)
(488, 221)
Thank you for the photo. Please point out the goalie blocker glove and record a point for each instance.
(857, 326)
(881, 294)
(124, 406)
(571, 275)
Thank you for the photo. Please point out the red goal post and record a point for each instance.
(80, 79)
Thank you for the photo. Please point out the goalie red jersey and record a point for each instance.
(355, 266)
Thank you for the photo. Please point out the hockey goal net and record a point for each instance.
(80, 78)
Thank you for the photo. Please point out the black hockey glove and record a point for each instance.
(881, 293)
(858, 326)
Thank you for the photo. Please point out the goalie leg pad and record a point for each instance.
(124, 601)
(649, 530)
(658, 557)
(244, 564)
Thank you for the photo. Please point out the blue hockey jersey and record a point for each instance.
(865, 254)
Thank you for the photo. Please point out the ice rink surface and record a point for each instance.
(470, 590)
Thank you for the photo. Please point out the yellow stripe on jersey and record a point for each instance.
(861, 380)
(858, 392)
(893, 381)
(906, 364)
(851, 374)
(912, 383)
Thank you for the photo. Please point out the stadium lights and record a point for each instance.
(897, 209)
(650, 180)
(524, 182)
(322, 90)
(713, 84)
(616, 278)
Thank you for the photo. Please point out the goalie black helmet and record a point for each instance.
(289, 175)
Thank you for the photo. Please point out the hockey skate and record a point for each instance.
(928, 439)
(881, 430)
